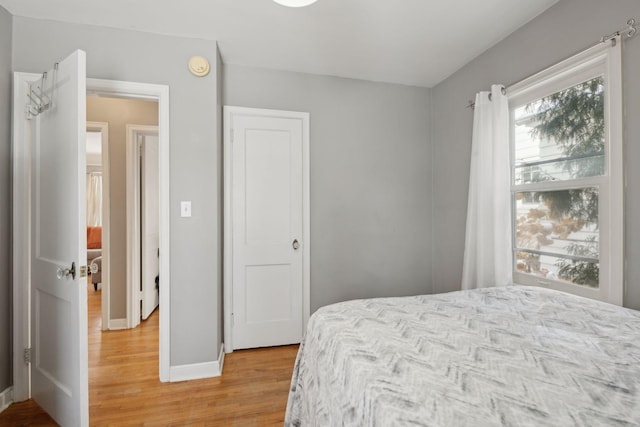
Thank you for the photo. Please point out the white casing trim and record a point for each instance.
(21, 239)
(196, 371)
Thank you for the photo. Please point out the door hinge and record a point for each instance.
(27, 113)
(83, 271)
(232, 135)
(26, 356)
(233, 319)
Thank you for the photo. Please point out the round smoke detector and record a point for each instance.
(199, 66)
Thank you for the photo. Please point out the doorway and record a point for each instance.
(125, 189)
(160, 95)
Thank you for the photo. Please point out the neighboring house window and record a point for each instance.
(567, 185)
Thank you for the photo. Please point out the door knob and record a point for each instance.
(66, 272)
(295, 244)
(93, 268)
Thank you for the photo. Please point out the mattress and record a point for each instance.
(515, 355)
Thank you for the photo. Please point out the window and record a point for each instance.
(566, 176)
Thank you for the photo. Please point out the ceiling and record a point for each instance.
(412, 42)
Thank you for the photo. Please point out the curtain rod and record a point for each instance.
(630, 31)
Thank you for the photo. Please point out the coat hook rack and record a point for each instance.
(37, 99)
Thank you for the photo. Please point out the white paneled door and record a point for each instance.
(267, 226)
(149, 222)
(59, 373)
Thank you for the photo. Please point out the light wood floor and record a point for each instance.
(124, 389)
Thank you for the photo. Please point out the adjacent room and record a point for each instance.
(319, 213)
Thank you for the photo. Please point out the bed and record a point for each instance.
(515, 355)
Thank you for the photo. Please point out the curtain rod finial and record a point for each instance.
(631, 31)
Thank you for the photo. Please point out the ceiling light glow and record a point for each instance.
(295, 3)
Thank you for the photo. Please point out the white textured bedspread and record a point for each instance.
(515, 356)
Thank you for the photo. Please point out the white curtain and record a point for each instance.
(94, 200)
(487, 250)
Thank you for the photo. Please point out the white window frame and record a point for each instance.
(604, 60)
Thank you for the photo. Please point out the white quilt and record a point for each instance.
(514, 356)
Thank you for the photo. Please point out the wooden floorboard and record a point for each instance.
(124, 389)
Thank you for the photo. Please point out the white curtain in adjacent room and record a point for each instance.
(487, 251)
(94, 200)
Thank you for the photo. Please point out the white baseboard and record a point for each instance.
(6, 398)
(196, 371)
(116, 324)
(221, 357)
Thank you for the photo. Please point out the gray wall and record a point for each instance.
(564, 29)
(119, 113)
(6, 361)
(370, 178)
(151, 58)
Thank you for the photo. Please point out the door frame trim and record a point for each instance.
(159, 93)
(21, 214)
(105, 299)
(134, 225)
(229, 112)
(21, 238)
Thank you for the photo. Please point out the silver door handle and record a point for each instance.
(295, 244)
(66, 272)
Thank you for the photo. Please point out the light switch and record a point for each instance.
(185, 209)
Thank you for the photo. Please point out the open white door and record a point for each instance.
(59, 377)
(149, 224)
